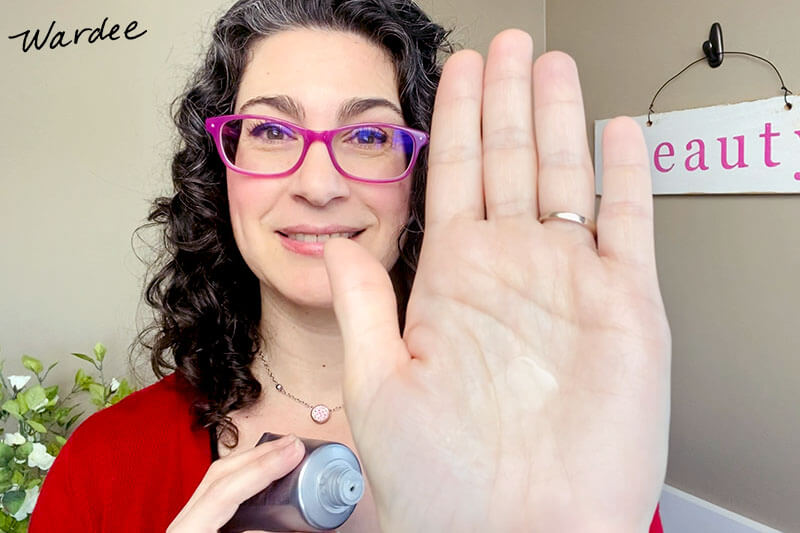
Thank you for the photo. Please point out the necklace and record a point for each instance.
(320, 413)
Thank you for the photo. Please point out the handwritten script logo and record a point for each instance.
(61, 38)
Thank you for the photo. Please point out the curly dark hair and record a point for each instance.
(205, 299)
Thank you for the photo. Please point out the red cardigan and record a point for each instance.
(132, 467)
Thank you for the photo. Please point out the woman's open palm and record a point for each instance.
(530, 389)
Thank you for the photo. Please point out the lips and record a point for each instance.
(315, 237)
(310, 240)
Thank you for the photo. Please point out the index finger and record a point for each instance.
(455, 178)
(232, 479)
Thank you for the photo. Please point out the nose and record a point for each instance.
(317, 181)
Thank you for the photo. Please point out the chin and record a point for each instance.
(301, 293)
(321, 300)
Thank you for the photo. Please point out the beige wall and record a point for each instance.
(84, 147)
(728, 265)
(475, 22)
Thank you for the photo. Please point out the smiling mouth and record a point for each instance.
(319, 237)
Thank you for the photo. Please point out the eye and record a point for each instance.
(271, 131)
(368, 135)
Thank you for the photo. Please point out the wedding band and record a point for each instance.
(569, 216)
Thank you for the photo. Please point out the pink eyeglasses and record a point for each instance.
(267, 147)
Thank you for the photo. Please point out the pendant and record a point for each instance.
(320, 414)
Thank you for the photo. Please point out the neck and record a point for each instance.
(303, 348)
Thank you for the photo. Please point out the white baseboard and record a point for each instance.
(683, 513)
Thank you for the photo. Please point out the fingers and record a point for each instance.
(455, 185)
(512, 144)
(231, 480)
(509, 153)
(366, 308)
(566, 177)
(625, 222)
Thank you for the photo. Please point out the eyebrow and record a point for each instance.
(282, 103)
(351, 108)
(356, 106)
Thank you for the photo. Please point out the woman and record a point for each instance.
(487, 414)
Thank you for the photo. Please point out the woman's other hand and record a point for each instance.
(232, 479)
(530, 389)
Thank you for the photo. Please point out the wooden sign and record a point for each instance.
(746, 148)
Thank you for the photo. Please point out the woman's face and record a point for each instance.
(311, 77)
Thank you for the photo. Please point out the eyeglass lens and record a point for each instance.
(369, 152)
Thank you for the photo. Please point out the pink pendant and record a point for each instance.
(320, 414)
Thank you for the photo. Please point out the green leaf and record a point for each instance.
(82, 380)
(97, 393)
(17, 478)
(4, 486)
(61, 414)
(83, 356)
(37, 426)
(12, 500)
(35, 397)
(22, 404)
(5, 474)
(6, 453)
(54, 447)
(12, 407)
(124, 388)
(61, 440)
(32, 482)
(24, 450)
(99, 352)
(32, 364)
(72, 420)
(51, 392)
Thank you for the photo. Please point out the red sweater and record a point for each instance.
(132, 467)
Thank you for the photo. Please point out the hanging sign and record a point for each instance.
(746, 148)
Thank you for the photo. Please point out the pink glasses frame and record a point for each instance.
(214, 127)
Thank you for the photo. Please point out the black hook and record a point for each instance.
(714, 53)
(713, 48)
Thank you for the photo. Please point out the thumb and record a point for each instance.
(366, 308)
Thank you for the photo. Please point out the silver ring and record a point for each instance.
(569, 216)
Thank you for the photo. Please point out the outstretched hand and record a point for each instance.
(530, 388)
